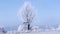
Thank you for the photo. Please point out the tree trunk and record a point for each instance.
(28, 26)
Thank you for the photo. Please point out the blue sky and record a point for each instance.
(48, 11)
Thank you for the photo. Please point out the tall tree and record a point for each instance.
(27, 13)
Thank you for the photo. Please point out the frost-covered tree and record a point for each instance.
(2, 29)
(27, 13)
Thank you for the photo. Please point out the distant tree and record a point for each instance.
(2, 29)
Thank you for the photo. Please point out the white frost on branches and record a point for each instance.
(27, 8)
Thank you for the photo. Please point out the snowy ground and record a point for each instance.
(50, 32)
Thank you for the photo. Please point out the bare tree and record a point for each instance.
(28, 14)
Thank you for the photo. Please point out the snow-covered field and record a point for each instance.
(50, 32)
